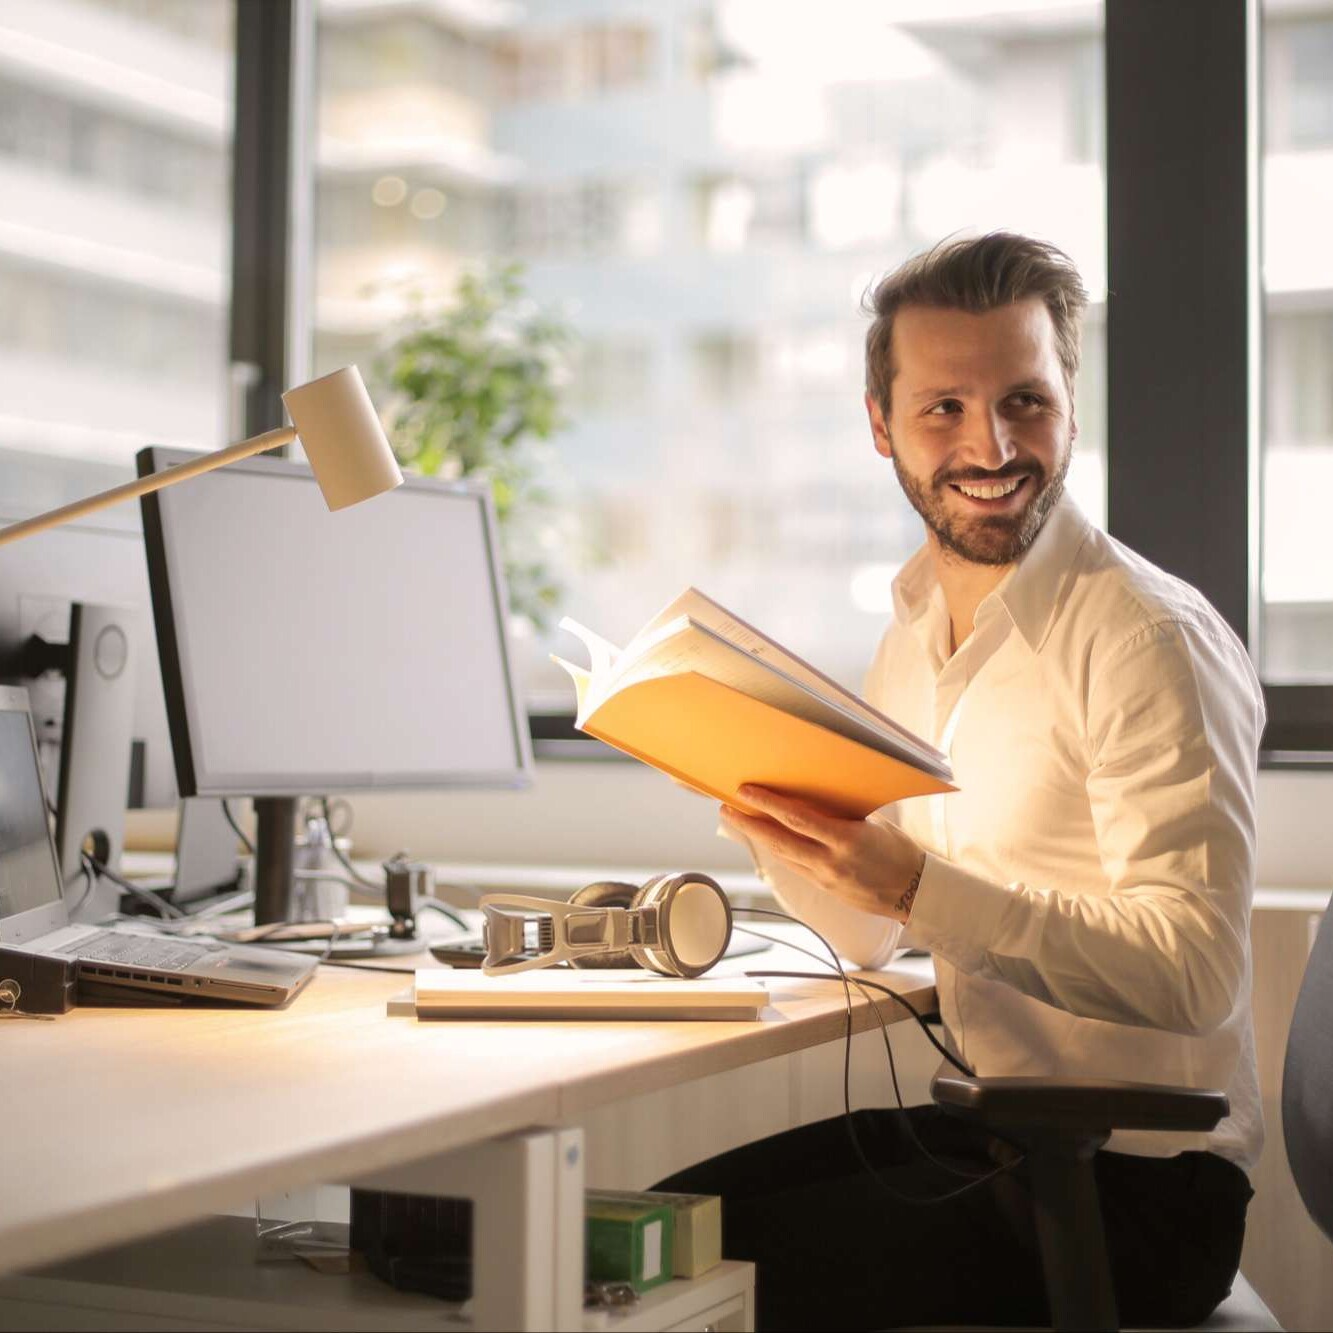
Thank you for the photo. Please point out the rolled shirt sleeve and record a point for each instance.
(1173, 723)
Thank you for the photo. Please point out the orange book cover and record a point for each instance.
(682, 698)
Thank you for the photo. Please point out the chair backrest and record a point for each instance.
(1307, 1082)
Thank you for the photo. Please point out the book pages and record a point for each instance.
(694, 647)
(701, 608)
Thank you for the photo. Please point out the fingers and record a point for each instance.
(781, 841)
(799, 815)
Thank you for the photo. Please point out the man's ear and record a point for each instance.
(879, 428)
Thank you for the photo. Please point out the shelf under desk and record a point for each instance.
(125, 1122)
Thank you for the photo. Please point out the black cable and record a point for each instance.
(907, 1004)
(864, 987)
(365, 883)
(160, 906)
(87, 875)
(974, 1181)
(853, 1137)
(826, 976)
(341, 856)
(435, 905)
(236, 828)
(901, 999)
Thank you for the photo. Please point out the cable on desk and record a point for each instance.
(974, 1181)
(893, 994)
(362, 882)
(435, 905)
(341, 856)
(84, 872)
(236, 828)
(159, 905)
(265, 942)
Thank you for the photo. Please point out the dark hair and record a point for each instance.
(976, 274)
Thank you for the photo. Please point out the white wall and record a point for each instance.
(623, 814)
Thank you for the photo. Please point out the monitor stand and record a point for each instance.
(275, 862)
(275, 858)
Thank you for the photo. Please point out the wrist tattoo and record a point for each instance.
(904, 904)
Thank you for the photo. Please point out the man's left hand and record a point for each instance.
(871, 866)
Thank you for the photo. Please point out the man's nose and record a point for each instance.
(990, 445)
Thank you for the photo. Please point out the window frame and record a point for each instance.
(1183, 377)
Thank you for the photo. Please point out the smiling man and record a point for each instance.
(1086, 891)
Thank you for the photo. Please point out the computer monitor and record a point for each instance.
(305, 652)
(75, 630)
(41, 579)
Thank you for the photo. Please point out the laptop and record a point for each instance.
(115, 960)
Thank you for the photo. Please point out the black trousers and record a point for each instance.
(834, 1250)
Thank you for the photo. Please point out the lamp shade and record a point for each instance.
(343, 438)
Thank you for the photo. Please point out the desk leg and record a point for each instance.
(527, 1241)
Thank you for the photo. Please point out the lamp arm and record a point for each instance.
(257, 444)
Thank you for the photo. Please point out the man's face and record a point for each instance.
(980, 425)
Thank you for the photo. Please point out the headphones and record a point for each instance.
(678, 924)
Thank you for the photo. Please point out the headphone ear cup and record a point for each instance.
(694, 923)
(606, 893)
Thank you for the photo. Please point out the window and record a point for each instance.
(1295, 643)
(705, 193)
(115, 166)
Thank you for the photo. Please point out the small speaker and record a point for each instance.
(95, 748)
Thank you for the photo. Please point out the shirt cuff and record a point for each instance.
(956, 914)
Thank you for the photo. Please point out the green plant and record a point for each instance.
(471, 390)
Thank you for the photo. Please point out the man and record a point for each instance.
(1086, 891)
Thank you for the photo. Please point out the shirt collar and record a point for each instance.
(1031, 593)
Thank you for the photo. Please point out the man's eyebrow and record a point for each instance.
(1037, 383)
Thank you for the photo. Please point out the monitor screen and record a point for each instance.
(28, 875)
(305, 651)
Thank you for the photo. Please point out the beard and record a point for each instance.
(986, 539)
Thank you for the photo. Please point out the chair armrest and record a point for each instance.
(1075, 1105)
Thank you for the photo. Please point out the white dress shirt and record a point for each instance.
(1087, 889)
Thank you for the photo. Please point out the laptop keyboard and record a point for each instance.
(164, 955)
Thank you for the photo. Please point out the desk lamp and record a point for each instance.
(337, 424)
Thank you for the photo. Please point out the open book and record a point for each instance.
(709, 700)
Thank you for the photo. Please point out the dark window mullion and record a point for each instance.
(1178, 303)
(1182, 302)
(261, 207)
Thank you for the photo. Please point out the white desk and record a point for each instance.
(122, 1123)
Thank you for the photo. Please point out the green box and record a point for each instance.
(629, 1241)
(697, 1226)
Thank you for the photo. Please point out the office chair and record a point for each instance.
(1060, 1124)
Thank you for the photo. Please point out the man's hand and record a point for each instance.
(875, 867)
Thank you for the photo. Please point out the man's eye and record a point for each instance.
(1027, 400)
(944, 408)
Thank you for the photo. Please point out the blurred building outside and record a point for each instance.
(704, 187)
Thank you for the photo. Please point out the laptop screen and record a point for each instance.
(28, 875)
